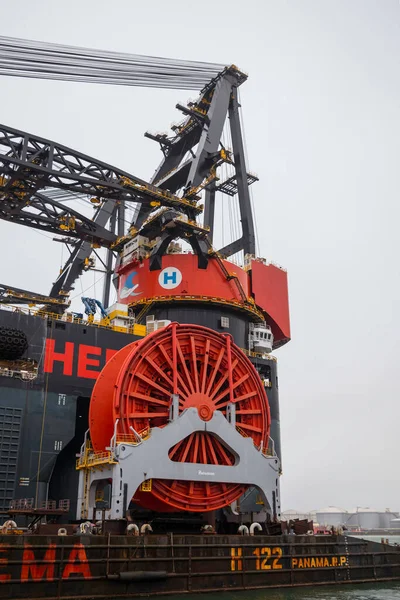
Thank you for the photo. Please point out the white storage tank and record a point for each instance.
(366, 518)
(332, 516)
(291, 515)
(386, 519)
(313, 515)
(395, 523)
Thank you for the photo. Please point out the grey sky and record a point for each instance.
(321, 114)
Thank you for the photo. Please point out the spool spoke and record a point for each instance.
(250, 427)
(144, 415)
(185, 369)
(237, 400)
(159, 371)
(188, 444)
(222, 453)
(194, 363)
(203, 450)
(180, 380)
(204, 367)
(196, 447)
(175, 449)
(222, 381)
(153, 384)
(212, 454)
(235, 385)
(149, 399)
(215, 370)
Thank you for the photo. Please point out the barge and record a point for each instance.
(110, 566)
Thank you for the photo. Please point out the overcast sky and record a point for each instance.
(321, 111)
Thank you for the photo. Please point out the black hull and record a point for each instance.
(43, 420)
(120, 566)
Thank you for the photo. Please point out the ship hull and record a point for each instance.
(119, 566)
(43, 419)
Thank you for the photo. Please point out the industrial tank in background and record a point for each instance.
(332, 516)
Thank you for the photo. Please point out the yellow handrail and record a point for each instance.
(136, 329)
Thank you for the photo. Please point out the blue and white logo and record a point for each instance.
(129, 287)
(170, 278)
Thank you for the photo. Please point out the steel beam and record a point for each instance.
(209, 209)
(46, 214)
(232, 248)
(246, 215)
(109, 263)
(172, 157)
(121, 219)
(12, 295)
(174, 148)
(74, 266)
(29, 163)
(212, 131)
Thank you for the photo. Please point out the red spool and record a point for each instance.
(207, 371)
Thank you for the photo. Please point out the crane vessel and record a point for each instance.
(139, 449)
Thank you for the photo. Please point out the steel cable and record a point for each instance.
(43, 60)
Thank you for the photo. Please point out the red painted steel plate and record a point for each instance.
(270, 291)
(180, 276)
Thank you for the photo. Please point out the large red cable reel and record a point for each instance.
(207, 371)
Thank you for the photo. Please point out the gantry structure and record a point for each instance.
(39, 177)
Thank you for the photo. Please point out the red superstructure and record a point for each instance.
(262, 287)
(269, 288)
(189, 280)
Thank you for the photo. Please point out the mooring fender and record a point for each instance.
(138, 576)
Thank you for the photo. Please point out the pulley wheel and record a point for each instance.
(206, 370)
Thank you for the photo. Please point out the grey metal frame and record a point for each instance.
(205, 131)
(149, 459)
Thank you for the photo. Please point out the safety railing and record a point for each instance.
(22, 504)
(100, 458)
(28, 504)
(132, 438)
(252, 354)
(195, 298)
(139, 330)
(94, 459)
(268, 451)
(48, 505)
(146, 486)
(64, 504)
(126, 438)
(19, 373)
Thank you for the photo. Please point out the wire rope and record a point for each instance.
(88, 288)
(44, 60)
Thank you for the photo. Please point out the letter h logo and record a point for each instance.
(170, 277)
